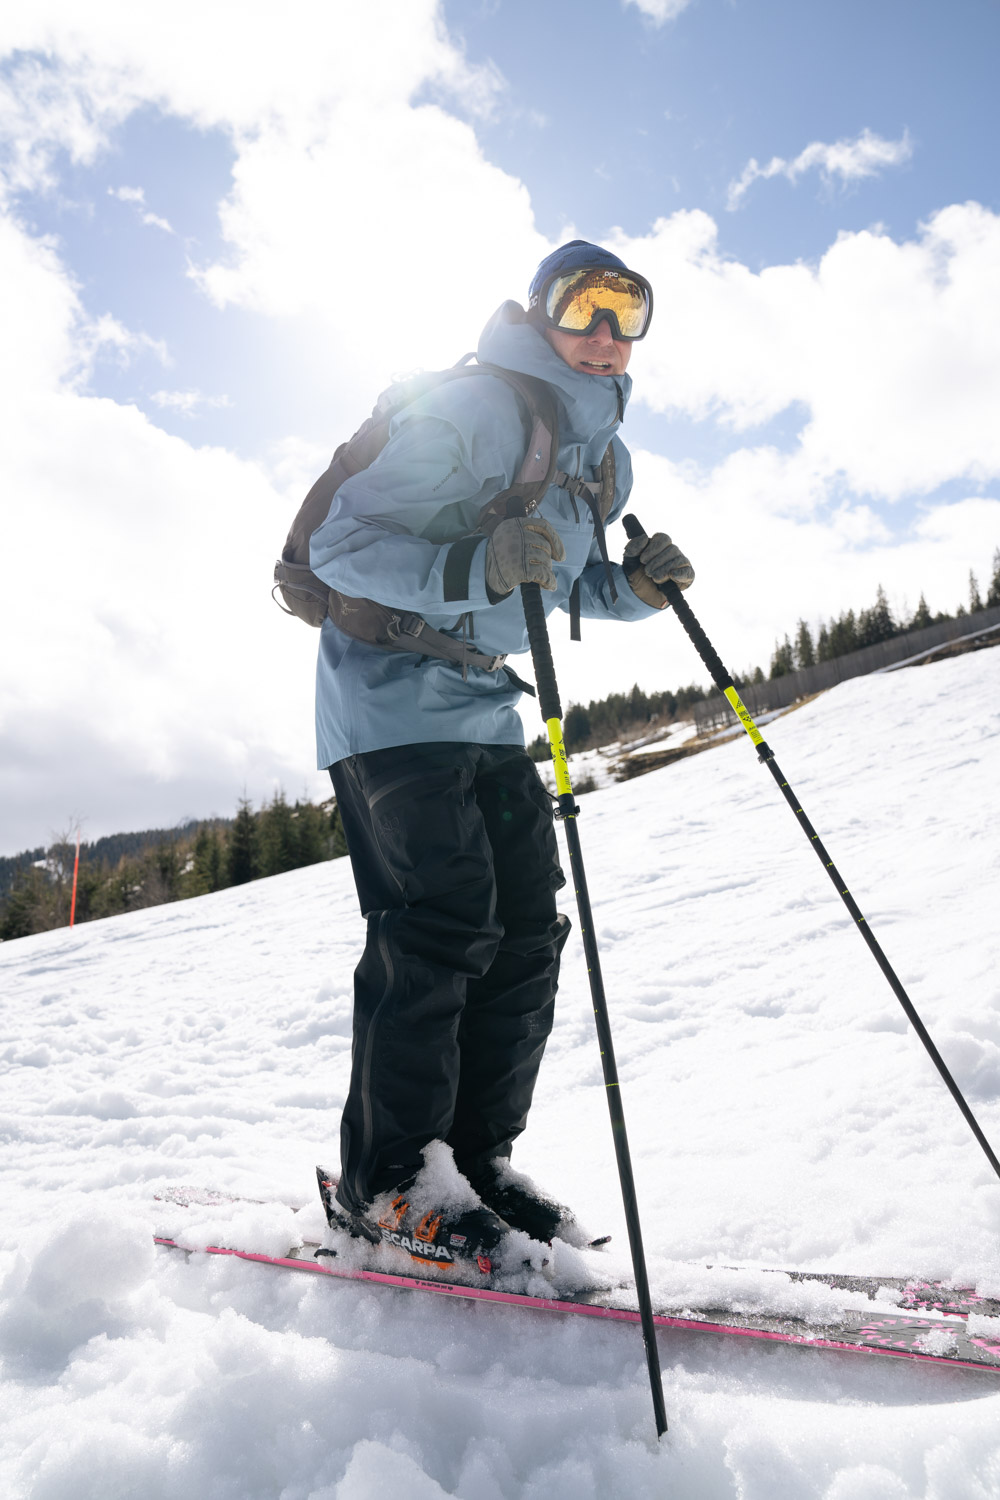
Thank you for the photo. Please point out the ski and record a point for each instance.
(931, 1324)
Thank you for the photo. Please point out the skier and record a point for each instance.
(449, 829)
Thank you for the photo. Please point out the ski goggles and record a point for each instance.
(577, 301)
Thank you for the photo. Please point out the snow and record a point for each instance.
(780, 1112)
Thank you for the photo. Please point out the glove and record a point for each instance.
(650, 560)
(522, 549)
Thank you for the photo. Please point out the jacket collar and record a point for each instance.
(591, 406)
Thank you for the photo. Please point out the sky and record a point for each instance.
(220, 241)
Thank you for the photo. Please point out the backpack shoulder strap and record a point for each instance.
(599, 496)
(538, 467)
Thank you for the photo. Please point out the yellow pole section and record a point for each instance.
(559, 761)
(743, 714)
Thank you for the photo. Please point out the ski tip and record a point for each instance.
(604, 1239)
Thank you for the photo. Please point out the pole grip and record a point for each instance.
(541, 651)
(699, 640)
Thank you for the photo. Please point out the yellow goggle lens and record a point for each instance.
(574, 301)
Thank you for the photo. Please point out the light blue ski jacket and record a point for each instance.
(392, 528)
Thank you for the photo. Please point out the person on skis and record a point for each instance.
(449, 828)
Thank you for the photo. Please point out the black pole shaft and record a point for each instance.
(724, 682)
(548, 702)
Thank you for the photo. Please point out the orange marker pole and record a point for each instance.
(76, 871)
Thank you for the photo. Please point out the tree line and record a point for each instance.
(850, 632)
(167, 865)
(603, 720)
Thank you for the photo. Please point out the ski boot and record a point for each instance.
(436, 1233)
(519, 1201)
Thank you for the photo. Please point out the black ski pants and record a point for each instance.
(455, 860)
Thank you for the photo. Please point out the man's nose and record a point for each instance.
(602, 333)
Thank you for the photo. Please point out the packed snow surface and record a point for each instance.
(781, 1114)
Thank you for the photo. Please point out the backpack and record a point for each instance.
(310, 599)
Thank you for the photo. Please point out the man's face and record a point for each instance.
(596, 353)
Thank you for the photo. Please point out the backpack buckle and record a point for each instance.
(411, 625)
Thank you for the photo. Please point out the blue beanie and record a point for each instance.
(577, 255)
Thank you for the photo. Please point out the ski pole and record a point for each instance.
(548, 702)
(724, 682)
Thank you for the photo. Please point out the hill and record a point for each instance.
(779, 1110)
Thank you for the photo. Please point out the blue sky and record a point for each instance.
(203, 226)
(689, 102)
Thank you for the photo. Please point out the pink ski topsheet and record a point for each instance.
(935, 1340)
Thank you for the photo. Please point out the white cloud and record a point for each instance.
(298, 65)
(339, 178)
(137, 197)
(660, 11)
(46, 107)
(104, 337)
(336, 234)
(188, 403)
(892, 349)
(865, 156)
(152, 675)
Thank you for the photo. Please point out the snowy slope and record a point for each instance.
(780, 1114)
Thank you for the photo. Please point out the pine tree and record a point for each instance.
(923, 616)
(993, 593)
(312, 829)
(975, 602)
(876, 624)
(206, 872)
(823, 652)
(639, 706)
(23, 907)
(805, 653)
(782, 662)
(577, 727)
(843, 635)
(276, 838)
(166, 872)
(242, 859)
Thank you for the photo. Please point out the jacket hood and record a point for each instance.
(591, 406)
